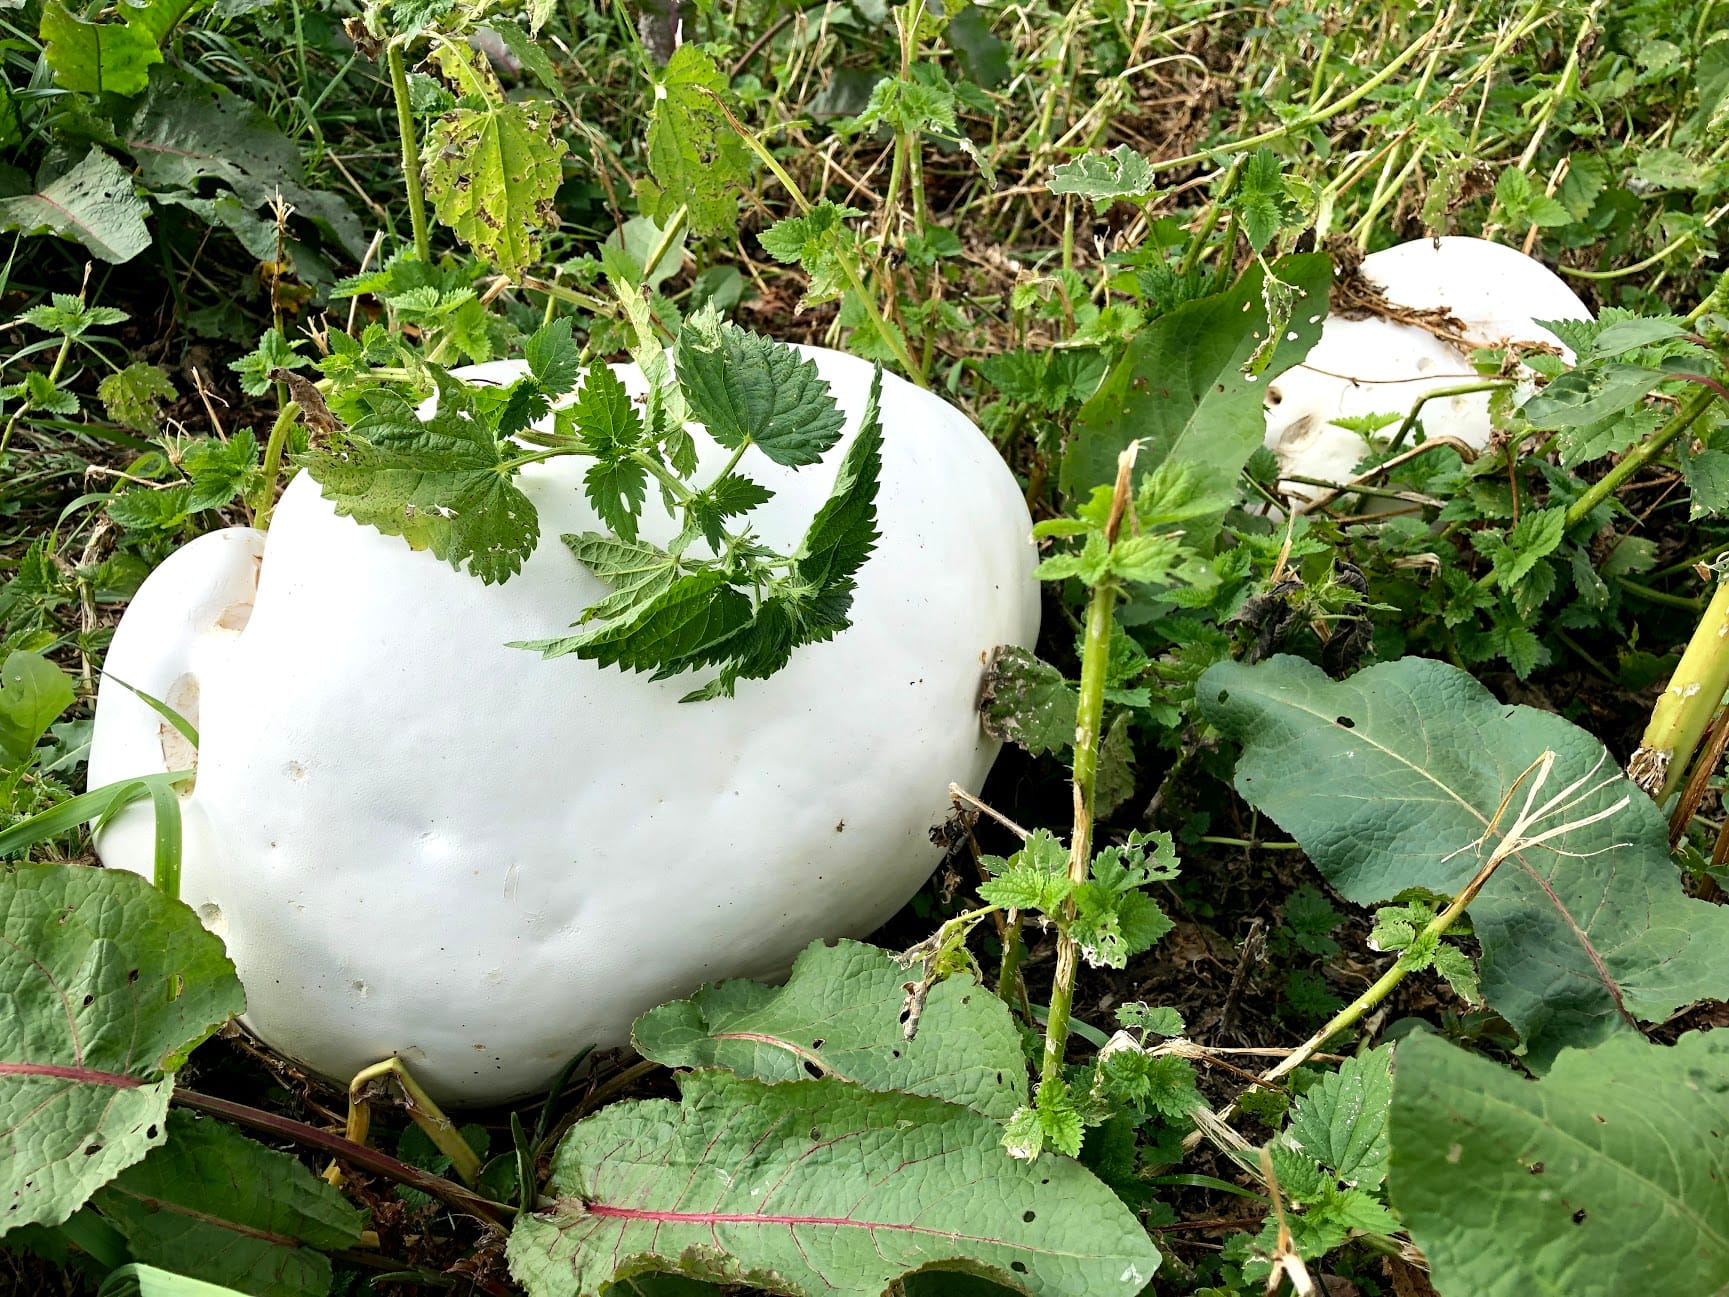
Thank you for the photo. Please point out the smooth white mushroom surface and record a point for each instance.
(1379, 366)
(418, 841)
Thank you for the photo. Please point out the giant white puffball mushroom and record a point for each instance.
(419, 842)
(1381, 366)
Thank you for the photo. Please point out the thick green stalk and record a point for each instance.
(1095, 658)
(1684, 712)
(1641, 455)
(273, 463)
(410, 151)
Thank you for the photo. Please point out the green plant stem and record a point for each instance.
(272, 464)
(1641, 455)
(1089, 721)
(1461, 389)
(410, 151)
(421, 1110)
(53, 378)
(1383, 986)
(1689, 701)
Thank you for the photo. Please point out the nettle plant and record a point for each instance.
(713, 595)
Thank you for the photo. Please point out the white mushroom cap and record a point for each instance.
(1379, 366)
(417, 841)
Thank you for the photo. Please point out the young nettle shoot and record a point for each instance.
(714, 595)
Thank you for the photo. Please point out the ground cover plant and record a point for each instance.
(1345, 912)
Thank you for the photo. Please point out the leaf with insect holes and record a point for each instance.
(1390, 778)
(697, 158)
(110, 985)
(616, 488)
(223, 1208)
(132, 396)
(741, 385)
(1028, 702)
(840, 1014)
(1606, 1176)
(491, 173)
(818, 1187)
(1121, 173)
(96, 203)
(439, 483)
(33, 693)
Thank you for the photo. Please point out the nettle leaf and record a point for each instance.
(1388, 778)
(1028, 702)
(221, 470)
(110, 984)
(616, 489)
(1605, 1176)
(636, 572)
(441, 484)
(1121, 173)
(1261, 201)
(1181, 389)
(818, 1187)
(1590, 394)
(222, 1208)
(554, 358)
(491, 173)
(96, 204)
(681, 627)
(839, 1015)
(33, 693)
(731, 497)
(1341, 1122)
(132, 396)
(1035, 879)
(697, 158)
(741, 385)
(843, 533)
(815, 242)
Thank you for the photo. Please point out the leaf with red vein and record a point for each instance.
(215, 1205)
(817, 1188)
(107, 985)
(1387, 779)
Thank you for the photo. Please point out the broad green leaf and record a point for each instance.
(1121, 173)
(218, 1206)
(33, 693)
(491, 173)
(741, 384)
(1180, 388)
(1341, 1121)
(839, 1015)
(1606, 1176)
(440, 484)
(149, 1281)
(95, 203)
(1028, 702)
(636, 572)
(109, 985)
(187, 132)
(818, 1187)
(1590, 394)
(697, 158)
(94, 58)
(1388, 779)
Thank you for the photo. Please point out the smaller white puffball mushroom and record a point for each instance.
(417, 841)
(1377, 366)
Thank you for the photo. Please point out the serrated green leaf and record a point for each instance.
(1386, 779)
(843, 533)
(110, 985)
(221, 470)
(132, 396)
(94, 58)
(553, 357)
(217, 1206)
(730, 497)
(1603, 1177)
(96, 204)
(741, 385)
(439, 484)
(491, 173)
(1035, 879)
(1261, 200)
(1341, 1122)
(1590, 394)
(1121, 173)
(1028, 702)
(33, 693)
(818, 1187)
(604, 413)
(839, 1015)
(678, 629)
(616, 489)
(697, 158)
